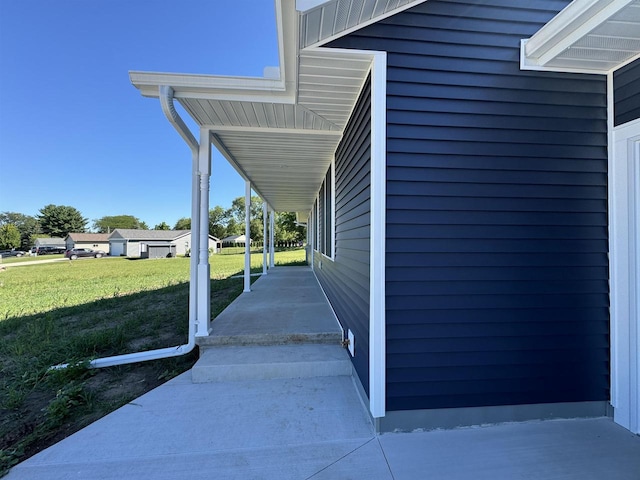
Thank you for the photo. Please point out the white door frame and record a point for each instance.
(624, 265)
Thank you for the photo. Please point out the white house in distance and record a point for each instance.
(153, 243)
(95, 241)
(234, 240)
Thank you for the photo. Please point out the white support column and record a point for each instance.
(201, 232)
(271, 239)
(247, 233)
(202, 328)
(264, 237)
(311, 231)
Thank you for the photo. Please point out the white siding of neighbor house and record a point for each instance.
(133, 248)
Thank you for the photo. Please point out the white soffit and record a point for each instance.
(591, 36)
(335, 18)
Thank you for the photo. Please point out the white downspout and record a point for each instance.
(264, 237)
(247, 234)
(272, 238)
(166, 101)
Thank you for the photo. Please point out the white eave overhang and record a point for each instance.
(279, 132)
(588, 36)
(325, 20)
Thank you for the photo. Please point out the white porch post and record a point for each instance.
(271, 239)
(311, 231)
(264, 237)
(200, 234)
(247, 234)
(201, 327)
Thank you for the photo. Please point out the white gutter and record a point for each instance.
(166, 100)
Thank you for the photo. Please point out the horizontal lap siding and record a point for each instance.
(346, 279)
(626, 88)
(496, 265)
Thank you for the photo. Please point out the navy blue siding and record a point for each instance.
(626, 96)
(346, 279)
(496, 264)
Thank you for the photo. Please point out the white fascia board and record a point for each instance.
(222, 87)
(576, 21)
(287, 20)
(371, 21)
(200, 86)
(529, 64)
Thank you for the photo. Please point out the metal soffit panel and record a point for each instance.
(255, 114)
(329, 83)
(336, 17)
(286, 167)
(606, 46)
(602, 38)
(285, 148)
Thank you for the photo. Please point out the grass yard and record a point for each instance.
(73, 311)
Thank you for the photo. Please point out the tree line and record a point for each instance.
(18, 230)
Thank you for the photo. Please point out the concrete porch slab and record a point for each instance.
(285, 306)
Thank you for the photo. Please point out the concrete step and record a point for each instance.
(239, 363)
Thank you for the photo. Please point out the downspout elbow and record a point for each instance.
(169, 110)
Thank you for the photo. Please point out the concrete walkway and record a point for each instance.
(310, 427)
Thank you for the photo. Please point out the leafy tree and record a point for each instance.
(234, 228)
(162, 226)
(218, 220)
(60, 220)
(183, 223)
(9, 236)
(286, 228)
(27, 226)
(110, 223)
(237, 213)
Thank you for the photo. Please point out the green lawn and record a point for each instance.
(73, 311)
(40, 288)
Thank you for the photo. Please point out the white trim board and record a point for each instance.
(624, 248)
(377, 291)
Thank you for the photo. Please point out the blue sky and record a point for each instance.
(74, 131)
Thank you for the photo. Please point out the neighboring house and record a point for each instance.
(468, 171)
(95, 241)
(153, 243)
(56, 242)
(234, 240)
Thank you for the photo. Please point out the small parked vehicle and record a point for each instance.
(49, 250)
(76, 253)
(12, 253)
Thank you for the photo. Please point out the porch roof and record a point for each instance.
(280, 131)
(590, 36)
